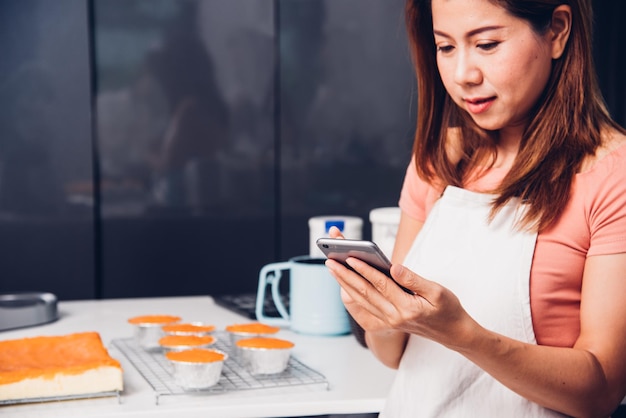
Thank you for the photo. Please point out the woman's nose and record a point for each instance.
(466, 71)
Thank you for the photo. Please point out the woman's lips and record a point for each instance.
(479, 105)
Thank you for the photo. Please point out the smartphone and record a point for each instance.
(368, 251)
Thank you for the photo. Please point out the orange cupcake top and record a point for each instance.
(196, 355)
(188, 328)
(252, 328)
(269, 343)
(154, 319)
(185, 340)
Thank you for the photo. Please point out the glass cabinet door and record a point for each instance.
(46, 182)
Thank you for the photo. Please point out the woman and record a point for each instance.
(513, 227)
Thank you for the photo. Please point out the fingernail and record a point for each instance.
(398, 268)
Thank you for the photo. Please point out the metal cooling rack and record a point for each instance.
(154, 368)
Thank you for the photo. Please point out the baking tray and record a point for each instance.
(153, 366)
(62, 398)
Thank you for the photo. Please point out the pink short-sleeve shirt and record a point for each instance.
(592, 223)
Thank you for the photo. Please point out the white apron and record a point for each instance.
(487, 265)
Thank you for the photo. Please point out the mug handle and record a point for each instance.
(270, 274)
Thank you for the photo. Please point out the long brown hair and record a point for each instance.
(565, 126)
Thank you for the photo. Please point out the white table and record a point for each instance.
(358, 383)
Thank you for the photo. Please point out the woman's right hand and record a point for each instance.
(366, 320)
(386, 344)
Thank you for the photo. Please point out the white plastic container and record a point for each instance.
(385, 227)
(350, 226)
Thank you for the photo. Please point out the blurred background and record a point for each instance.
(173, 147)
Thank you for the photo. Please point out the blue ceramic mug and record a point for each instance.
(315, 305)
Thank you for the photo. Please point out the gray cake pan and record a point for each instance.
(18, 310)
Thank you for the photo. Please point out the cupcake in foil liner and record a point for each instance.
(197, 368)
(238, 332)
(148, 329)
(199, 329)
(185, 342)
(264, 355)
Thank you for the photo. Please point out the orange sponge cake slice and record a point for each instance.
(41, 367)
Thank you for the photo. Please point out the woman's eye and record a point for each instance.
(488, 46)
(444, 48)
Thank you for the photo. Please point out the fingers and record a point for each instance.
(357, 289)
(395, 289)
(375, 289)
(411, 282)
(345, 297)
(377, 279)
(335, 232)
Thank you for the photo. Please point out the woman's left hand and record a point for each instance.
(433, 311)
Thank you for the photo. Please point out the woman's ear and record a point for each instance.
(560, 28)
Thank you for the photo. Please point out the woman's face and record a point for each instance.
(493, 65)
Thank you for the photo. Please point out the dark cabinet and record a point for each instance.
(175, 147)
(47, 239)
